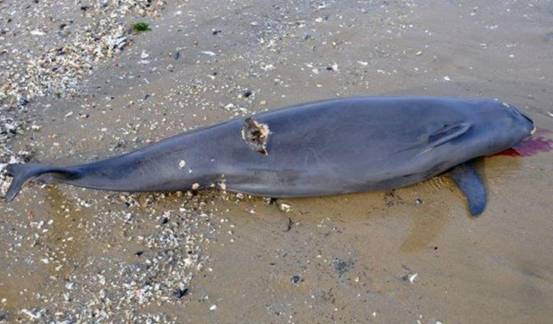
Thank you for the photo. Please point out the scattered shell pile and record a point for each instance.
(158, 271)
(68, 50)
(9, 127)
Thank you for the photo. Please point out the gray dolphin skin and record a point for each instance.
(321, 148)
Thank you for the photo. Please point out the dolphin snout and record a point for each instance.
(530, 122)
(525, 119)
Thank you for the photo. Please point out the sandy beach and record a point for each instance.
(77, 83)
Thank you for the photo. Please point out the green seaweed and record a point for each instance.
(141, 27)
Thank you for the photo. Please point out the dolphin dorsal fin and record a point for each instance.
(468, 180)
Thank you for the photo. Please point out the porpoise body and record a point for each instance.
(321, 148)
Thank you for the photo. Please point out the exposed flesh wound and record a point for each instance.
(256, 135)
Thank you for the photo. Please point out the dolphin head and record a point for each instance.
(523, 122)
(500, 126)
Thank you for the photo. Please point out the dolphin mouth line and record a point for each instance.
(533, 131)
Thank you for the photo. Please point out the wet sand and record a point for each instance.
(412, 255)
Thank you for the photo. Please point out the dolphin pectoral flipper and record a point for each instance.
(468, 180)
(448, 132)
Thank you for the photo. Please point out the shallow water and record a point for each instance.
(407, 256)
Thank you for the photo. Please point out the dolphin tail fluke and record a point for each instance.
(21, 173)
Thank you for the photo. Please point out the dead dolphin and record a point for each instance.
(321, 148)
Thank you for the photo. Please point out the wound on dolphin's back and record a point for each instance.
(256, 135)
